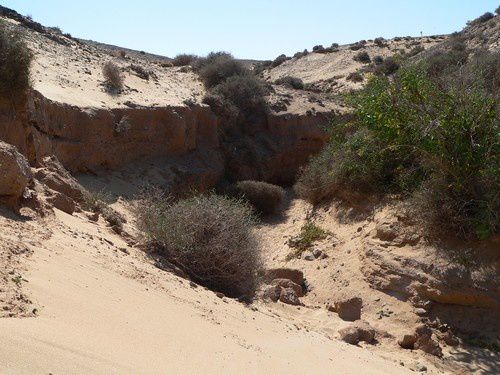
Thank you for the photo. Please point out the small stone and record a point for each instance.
(219, 294)
(407, 341)
(420, 311)
(317, 253)
(307, 255)
(450, 339)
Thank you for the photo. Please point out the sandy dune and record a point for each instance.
(103, 311)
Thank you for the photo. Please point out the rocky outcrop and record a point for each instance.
(15, 172)
(356, 332)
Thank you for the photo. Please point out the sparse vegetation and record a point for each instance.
(113, 76)
(379, 41)
(318, 48)
(355, 77)
(309, 234)
(264, 197)
(387, 67)
(184, 59)
(97, 202)
(140, 71)
(209, 237)
(483, 18)
(424, 134)
(293, 82)
(362, 57)
(298, 55)
(15, 62)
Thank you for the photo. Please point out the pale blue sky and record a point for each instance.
(257, 29)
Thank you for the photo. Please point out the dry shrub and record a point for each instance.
(218, 67)
(362, 57)
(355, 77)
(15, 62)
(265, 197)
(140, 71)
(184, 59)
(279, 60)
(113, 76)
(97, 202)
(209, 237)
(293, 82)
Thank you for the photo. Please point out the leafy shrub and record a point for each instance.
(293, 82)
(208, 237)
(309, 234)
(265, 197)
(355, 77)
(184, 59)
(112, 76)
(279, 60)
(356, 46)
(379, 41)
(216, 67)
(334, 45)
(362, 57)
(412, 136)
(261, 66)
(318, 48)
(415, 51)
(15, 62)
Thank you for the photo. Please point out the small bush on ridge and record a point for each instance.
(362, 57)
(15, 63)
(184, 59)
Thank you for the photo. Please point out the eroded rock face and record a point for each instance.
(349, 308)
(286, 283)
(15, 171)
(288, 296)
(297, 276)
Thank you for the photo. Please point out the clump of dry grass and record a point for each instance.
(113, 76)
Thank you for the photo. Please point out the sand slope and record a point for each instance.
(104, 311)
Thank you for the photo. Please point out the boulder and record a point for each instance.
(286, 283)
(62, 202)
(288, 296)
(356, 332)
(15, 171)
(307, 255)
(349, 309)
(450, 339)
(296, 276)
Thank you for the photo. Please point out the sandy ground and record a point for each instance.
(101, 310)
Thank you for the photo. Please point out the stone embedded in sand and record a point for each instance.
(288, 296)
(296, 276)
(421, 339)
(349, 309)
(15, 171)
(307, 255)
(356, 332)
(317, 253)
(286, 283)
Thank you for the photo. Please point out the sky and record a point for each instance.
(252, 29)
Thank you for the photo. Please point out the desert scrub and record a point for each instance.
(113, 77)
(292, 82)
(209, 237)
(309, 234)
(15, 63)
(97, 202)
(217, 67)
(184, 59)
(415, 136)
(264, 197)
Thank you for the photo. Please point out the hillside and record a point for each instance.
(345, 287)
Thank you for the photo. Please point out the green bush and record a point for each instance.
(217, 67)
(386, 67)
(409, 136)
(293, 82)
(209, 237)
(309, 234)
(15, 62)
(265, 197)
